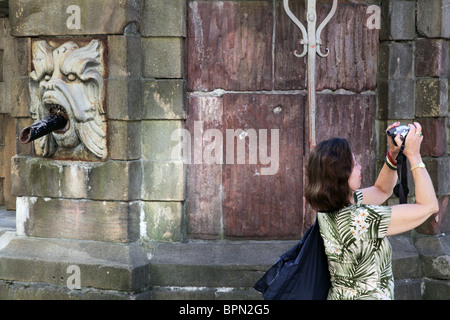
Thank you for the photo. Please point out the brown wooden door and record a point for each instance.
(242, 74)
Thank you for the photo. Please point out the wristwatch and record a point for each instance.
(420, 165)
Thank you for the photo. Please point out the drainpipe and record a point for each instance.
(53, 122)
(311, 44)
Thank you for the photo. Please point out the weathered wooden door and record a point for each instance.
(245, 85)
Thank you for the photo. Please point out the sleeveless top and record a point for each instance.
(359, 254)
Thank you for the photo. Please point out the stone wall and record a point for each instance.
(142, 216)
(413, 85)
(144, 104)
(135, 193)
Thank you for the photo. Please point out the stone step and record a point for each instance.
(228, 270)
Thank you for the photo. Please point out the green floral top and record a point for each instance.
(359, 254)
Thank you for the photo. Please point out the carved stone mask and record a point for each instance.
(69, 80)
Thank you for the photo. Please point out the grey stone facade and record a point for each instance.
(123, 221)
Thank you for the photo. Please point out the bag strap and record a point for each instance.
(401, 190)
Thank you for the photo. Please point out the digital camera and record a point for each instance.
(402, 130)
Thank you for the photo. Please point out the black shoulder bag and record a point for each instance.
(301, 273)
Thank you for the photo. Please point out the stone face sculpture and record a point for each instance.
(68, 81)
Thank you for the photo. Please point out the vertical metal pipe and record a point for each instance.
(311, 70)
(311, 44)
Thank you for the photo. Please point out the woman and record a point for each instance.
(353, 224)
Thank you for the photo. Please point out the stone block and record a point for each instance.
(435, 256)
(435, 138)
(164, 18)
(4, 107)
(396, 99)
(20, 57)
(163, 181)
(102, 265)
(434, 289)
(162, 58)
(163, 99)
(110, 180)
(405, 258)
(1, 65)
(439, 170)
(396, 60)
(398, 20)
(79, 17)
(9, 150)
(160, 141)
(213, 264)
(22, 149)
(124, 62)
(432, 18)
(431, 97)
(2, 189)
(4, 31)
(408, 289)
(20, 97)
(124, 99)
(162, 220)
(78, 219)
(431, 58)
(124, 140)
(2, 129)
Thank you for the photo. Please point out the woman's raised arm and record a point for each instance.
(408, 216)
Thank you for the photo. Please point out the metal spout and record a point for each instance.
(45, 126)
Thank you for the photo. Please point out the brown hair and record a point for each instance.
(329, 167)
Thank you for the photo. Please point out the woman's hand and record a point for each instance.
(412, 143)
(394, 149)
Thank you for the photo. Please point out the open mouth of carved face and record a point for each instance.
(56, 109)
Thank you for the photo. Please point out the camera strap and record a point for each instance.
(401, 190)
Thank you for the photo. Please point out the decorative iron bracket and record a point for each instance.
(311, 44)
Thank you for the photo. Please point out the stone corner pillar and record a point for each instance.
(79, 189)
